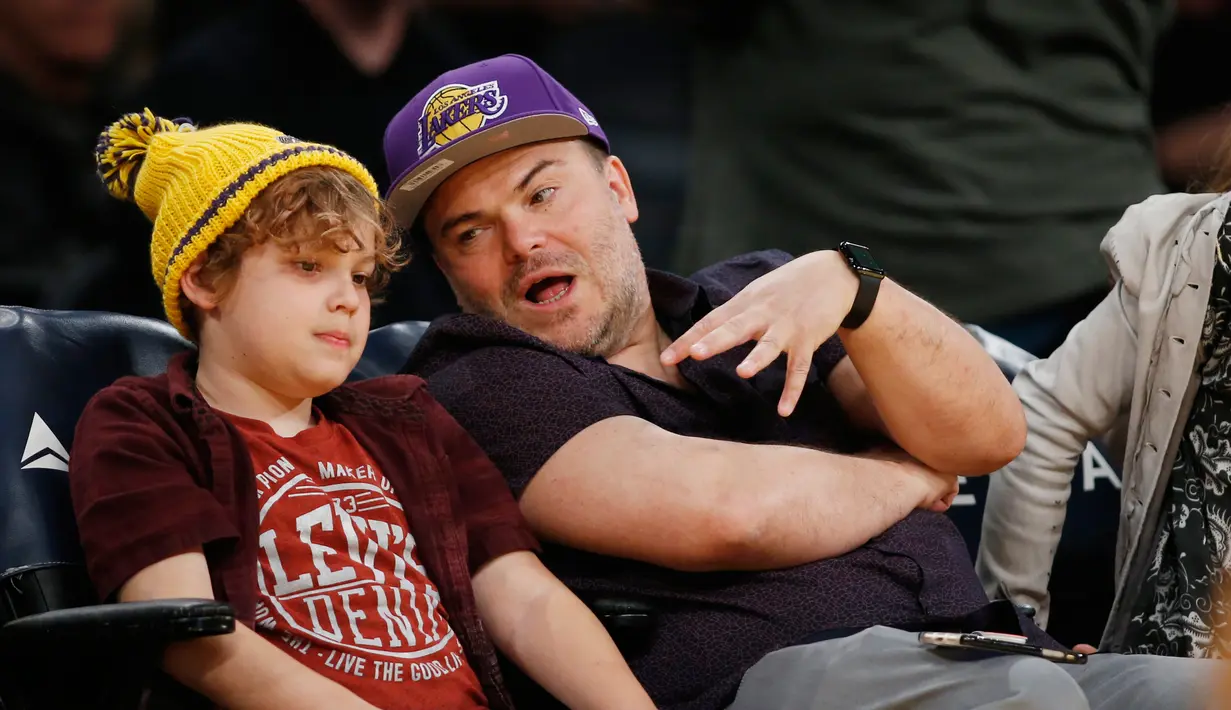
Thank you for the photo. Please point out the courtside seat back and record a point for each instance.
(51, 363)
(388, 348)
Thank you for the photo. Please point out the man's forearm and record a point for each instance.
(800, 505)
(241, 670)
(626, 488)
(938, 393)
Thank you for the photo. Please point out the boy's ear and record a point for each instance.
(199, 293)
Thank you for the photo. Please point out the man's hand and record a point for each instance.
(914, 374)
(937, 490)
(943, 503)
(792, 309)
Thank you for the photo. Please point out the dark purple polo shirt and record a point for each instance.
(522, 399)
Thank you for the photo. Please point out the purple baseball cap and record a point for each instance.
(470, 113)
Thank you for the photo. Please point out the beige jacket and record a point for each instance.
(1133, 355)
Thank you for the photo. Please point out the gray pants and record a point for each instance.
(883, 669)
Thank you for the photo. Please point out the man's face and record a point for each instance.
(539, 237)
(294, 322)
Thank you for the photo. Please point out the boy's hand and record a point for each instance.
(553, 637)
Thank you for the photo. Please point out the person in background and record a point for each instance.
(1152, 357)
(64, 244)
(1190, 105)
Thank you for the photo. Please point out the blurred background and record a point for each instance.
(981, 150)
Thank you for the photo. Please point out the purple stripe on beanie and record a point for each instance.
(236, 185)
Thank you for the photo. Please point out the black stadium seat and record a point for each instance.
(52, 362)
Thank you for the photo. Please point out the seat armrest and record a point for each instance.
(114, 652)
(145, 624)
(630, 622)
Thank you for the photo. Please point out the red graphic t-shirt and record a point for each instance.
(341, 587)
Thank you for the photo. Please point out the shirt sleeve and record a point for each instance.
(494, 524)
(134, 496)
(521, 405)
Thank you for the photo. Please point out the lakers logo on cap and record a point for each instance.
(455, 110)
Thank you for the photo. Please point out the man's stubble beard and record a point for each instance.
(626, 297)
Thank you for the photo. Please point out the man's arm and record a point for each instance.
(239, 670)
(550, 634)
(918, 376)
(912, 372)
(625, 487)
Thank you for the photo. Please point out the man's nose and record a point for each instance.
(521, 237)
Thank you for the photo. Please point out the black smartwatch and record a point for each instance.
(870, 274)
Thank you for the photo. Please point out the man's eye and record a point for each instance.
(542, 195)
(468, 236)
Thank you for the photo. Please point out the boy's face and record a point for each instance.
(294, 322)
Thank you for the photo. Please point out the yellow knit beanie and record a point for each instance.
(194, 183)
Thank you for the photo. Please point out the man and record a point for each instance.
(662, 447)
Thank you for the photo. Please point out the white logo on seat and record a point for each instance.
(1094, 466)
(43, 449)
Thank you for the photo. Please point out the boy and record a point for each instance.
(344, 522)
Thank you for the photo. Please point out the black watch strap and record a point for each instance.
(865, 298)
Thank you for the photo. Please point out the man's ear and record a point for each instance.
(192, 285)
(622, 187)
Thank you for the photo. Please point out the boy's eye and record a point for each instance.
(542, 195)
(309, 266)
(361, 279)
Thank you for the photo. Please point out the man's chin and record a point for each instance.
(565, 336)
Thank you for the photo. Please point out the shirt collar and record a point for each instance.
(678, 302)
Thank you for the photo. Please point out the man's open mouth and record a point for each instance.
(549, 290)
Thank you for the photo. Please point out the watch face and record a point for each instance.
(862, 259)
